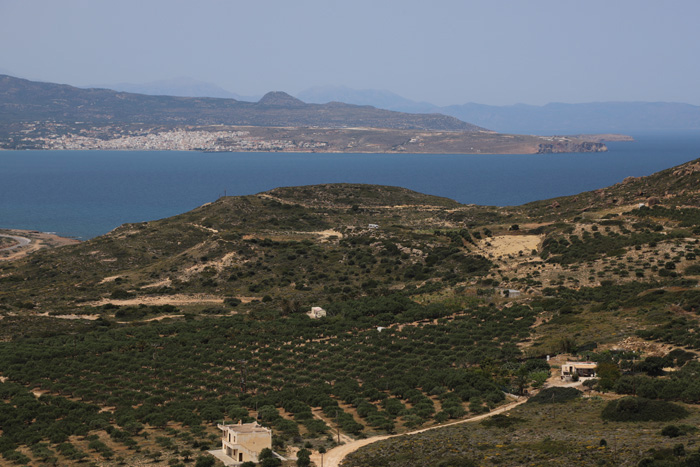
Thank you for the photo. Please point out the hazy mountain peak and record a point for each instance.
(279, 98)
(181, 86)
(381, 99)
(34, 101)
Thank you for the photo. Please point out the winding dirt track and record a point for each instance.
(22, 241)
(335, 456)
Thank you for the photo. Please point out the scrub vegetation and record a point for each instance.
(128, 349)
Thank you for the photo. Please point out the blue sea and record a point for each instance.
(88, 193)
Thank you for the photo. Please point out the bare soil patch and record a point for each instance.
(71, 316)
(644, 347)
(176, 299)
(505, 245)
(163, 283)
(109, 279)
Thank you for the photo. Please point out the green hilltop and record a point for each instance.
(130, 347)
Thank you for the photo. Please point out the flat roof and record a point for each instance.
(582, 364)
(245, 428)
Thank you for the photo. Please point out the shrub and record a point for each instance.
(639, 409)
(120, 294)
(536, 364)
(555, 396)
(672, 431)
(303, 458)
(502, 421)
(16, 457)
(457, 461)
(608, 374)
(232, 301)
(590, 383)
(203, 461)
(539, 378)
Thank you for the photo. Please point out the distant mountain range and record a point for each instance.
(376, 98)
(181, 87)
(22, 100)
(596, 117)
(555, 118)
(189, 101)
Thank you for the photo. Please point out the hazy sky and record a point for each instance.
(444, 52)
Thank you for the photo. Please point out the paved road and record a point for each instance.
(23, 241)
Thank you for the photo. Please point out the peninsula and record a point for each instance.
(36, 115)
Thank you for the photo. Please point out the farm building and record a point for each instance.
(316, 312)
(569, 370)
(244, 441)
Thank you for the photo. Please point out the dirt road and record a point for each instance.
(335, 456)
(21, 241)
(30, 241)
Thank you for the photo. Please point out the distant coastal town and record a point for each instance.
(69, 118)
(170, 140)
(229, 138)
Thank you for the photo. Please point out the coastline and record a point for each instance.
(219, 138)
(605, 137)
(35, 241)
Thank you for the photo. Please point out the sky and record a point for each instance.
(443, 52)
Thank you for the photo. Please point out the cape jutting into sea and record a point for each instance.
(88, 193)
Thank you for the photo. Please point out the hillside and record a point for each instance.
(180, 86)
(131, 346)
(37, 115)
(676, 187)
(28, 101)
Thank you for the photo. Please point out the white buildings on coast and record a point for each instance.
(177, 140)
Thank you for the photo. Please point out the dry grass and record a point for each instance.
(567, 434)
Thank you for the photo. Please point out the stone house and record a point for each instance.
(243, 442)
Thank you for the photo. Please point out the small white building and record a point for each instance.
(244, 441)
(316, 312)
(578, 369)
(373, 226)
(510, 293)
